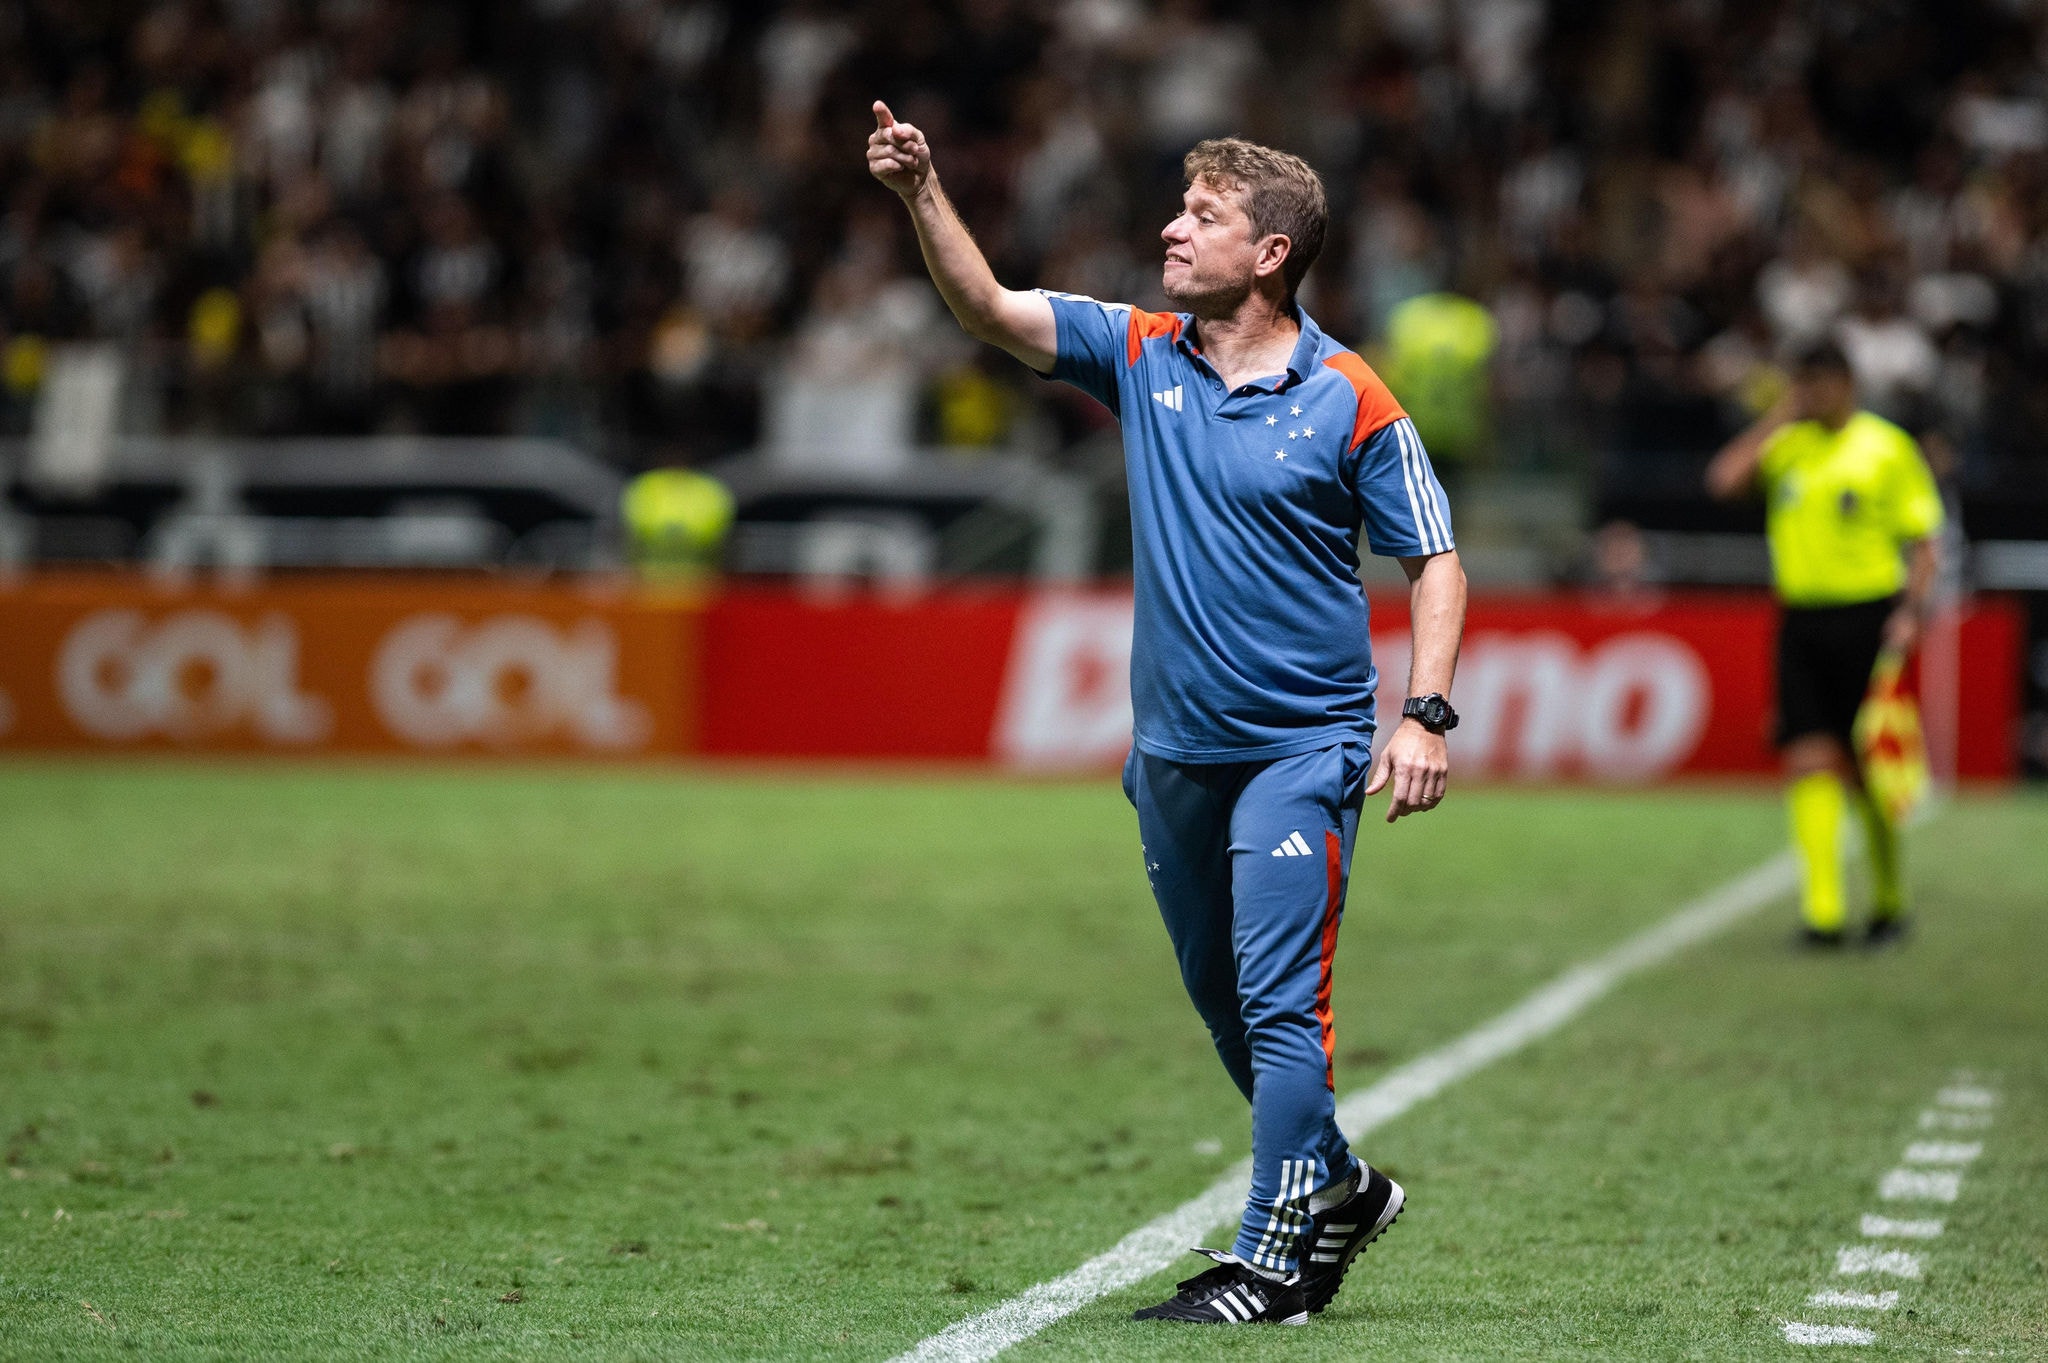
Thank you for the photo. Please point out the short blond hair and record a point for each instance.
(1282, 194)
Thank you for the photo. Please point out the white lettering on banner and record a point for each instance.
(507, 680)
(193, 674)
(1530, 704)
(1066, 698)
(1645, 706)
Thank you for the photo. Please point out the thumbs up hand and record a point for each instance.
(897, 153)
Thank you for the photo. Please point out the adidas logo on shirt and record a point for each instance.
(1295, 846)
(1169, 398)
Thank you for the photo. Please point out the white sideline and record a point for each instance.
(1154, 1246)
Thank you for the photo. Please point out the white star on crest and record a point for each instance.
(1294, 435)
(1308, 432)
(1294, 410)
(1279, 454)
(1272, 421)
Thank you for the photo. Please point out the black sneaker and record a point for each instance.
(1230, 1294)
(1339, 1235)
(1884, 932)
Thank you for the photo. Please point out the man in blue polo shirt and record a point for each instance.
(1258, 451)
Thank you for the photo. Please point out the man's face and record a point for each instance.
(1212, 254)
(1826, 394)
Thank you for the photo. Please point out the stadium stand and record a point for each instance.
(644, 228)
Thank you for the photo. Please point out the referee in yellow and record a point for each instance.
(1851, 515)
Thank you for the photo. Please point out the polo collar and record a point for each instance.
(1300, 364)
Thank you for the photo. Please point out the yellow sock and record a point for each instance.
(1814, 804)
(1887, 885)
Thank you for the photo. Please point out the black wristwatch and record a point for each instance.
(1433, 710)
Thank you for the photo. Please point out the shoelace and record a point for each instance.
(1207, 1286)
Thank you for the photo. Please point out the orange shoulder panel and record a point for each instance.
(1376, 406)
(1144, 326)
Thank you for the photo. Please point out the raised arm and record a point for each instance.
(1019, 321)
(1732, 474)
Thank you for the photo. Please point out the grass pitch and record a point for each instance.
(327, 1063)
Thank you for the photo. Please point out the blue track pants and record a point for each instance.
(1248, 862)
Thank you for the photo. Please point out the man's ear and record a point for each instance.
(1274, 248)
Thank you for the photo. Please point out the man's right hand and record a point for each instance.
(1021, 322)
(897, 153)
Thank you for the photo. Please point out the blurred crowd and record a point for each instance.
(646, 225)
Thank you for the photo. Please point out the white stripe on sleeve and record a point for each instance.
(1408, 482)
(1432, 531)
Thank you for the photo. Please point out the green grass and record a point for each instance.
(332, 1062)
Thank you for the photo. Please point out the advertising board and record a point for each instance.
(349, 665)
(1551, 687)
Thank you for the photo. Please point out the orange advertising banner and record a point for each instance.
(345, 664)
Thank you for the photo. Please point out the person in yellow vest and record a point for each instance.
(1436, 360)
(676, 524)
(1852, 517)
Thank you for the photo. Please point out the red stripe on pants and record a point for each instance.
(1334, 847)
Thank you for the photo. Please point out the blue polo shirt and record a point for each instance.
(1251, 637)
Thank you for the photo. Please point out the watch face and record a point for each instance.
(1433, 711)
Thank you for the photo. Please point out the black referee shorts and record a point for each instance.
(1825, 654)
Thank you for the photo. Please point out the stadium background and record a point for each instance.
(356, 285)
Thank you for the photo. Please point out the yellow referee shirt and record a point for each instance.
(1841, 503)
